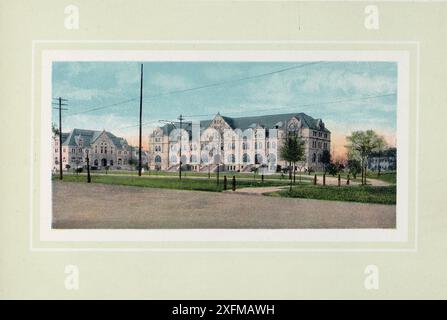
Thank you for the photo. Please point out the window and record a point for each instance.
(102, 149)
(111, 150)
(111, 162)
(325, 135)
(314, 133)
(246, 158)
(105, 149)
(96, 149)
(314, 157)
(319, 134)
(56, 150)
(73, 150)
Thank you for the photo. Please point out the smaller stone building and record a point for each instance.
(104, 150)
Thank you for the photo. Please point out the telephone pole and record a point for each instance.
(180, 118)
(141, 116)
(60, 104)
(173, 123)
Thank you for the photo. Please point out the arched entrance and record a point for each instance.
(103, 162)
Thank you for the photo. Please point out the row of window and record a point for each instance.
(319, 144)
(319, 134)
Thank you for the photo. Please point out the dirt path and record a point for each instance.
(82, 205)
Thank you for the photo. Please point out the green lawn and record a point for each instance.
(389, 177)
(243, 175)
(171, 183)
(366, 194)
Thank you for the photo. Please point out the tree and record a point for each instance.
(54, 129)
(326, 159)
(361, 144)
(132, 162)
(379, 149)
(332, 169)
(354, 167)
(292, 151)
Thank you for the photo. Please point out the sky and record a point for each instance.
(348, 96)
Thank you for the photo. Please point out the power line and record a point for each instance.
(103, 107)
(234, 80)
(305, 105)
(272, 109)
(216, 84)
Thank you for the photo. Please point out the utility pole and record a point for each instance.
(219, 150)
(60, 104)
(173, 123)
(89, 179)
(141, 116)
(180, 118)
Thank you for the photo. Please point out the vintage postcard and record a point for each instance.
(258, 149)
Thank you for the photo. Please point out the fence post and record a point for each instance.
(234, 183)
(315, 179)
(225, 182)
(324, 179)
(339, 180)
(347, 181)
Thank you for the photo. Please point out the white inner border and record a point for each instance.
(400, 234)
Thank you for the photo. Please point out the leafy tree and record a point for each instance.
(332, 169)
(381, 145)
(354, 167)
(132, 162)
(54, 129)
(326, 159)
(292, 151)
(361, 144)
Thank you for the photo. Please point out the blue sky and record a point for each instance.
(346, 95)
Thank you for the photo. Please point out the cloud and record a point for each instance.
(169, 82)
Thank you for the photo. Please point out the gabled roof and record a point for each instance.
(89, 137)
(268, 121)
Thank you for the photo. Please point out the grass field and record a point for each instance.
(213, 175)
(389, 177)
(170, 183)
(365, 194)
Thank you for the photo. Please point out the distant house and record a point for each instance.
(104, 150)
(386, 159)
